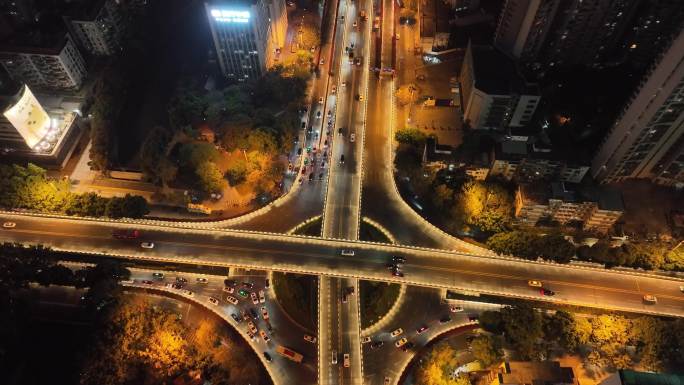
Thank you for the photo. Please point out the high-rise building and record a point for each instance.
(647, 140)
(495, 95)
(549, 33)
(96, 25)
(44, 61)
(248, 36)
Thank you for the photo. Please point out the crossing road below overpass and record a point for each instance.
(604, 289)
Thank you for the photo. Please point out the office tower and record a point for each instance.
(495, 95)
(647, 140)
(44, 61)
(247, 35)
(97, 26)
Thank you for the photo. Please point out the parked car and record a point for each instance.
(397, 332)
(262, 296)
(401, 342)
(232, 300)
(202, 281)
(147, 245)
(213, 301)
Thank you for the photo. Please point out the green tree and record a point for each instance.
(442, 196)
(491, 321)
(554, 247)
(516, 243)
(522, 326)
(193, 154)
(210, 177)
(484, 350)
(411, 136)
(438, 367)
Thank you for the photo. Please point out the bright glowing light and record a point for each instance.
(230, 16)
(29, 118)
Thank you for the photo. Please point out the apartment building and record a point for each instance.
(495, 95)
(594, 209)
(549, 33)
(248, 35)
(647, 140)
(97, 26)
(44, 61)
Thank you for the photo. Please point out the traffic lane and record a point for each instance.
(319, 257)
(350, 321)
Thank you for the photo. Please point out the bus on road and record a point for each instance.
(289, 354)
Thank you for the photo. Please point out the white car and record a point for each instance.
(229, 289)
(322, 61)
(401, 342)
(9, 225)
(213, 301)
(255, 299)
(232, 300)
(352, 137)
(203, 281)
(264, 336)
(365, 340)
(320, 100)
(262, 296)
(455, 309)
(334, 357)
(346, 360)
(397, 332)
(147, 245)
(252, 327)
(347, 252)
(309, 338)
(264, 313)
(650, 298)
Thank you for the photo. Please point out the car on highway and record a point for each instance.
(252, 327)
(229, 289)
(213, 301)
(309, 338)
(147, 245)
(232, 300)
(422, 329)
(359, 97)
(243, 293)
(189, 293)
(407, 346)
(333, 359)
(445, 319)
(343, 84)
(681, 288)
(347, 252)
(365, 340)
(350, 290)
(399, 260)
(355, 24)
(255, 299)
(181, 281)
(376, 344)
(322, 61)
(455, 309)
(401, 342)
(352, 137)
(318, 115)
(345, 297)
(202, 281)
(334, 89)
(387, 381)
(125, 234)
(346, 360)
(397, 332)
(157, 275)
(267, 357)
(267, 284)
(650, 299)
(534, 283)
(9, 225)
(264, 336)
(342, 158)
(264, 313)
(391, 266)
(547, 292)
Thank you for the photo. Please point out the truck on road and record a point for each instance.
(289, 354)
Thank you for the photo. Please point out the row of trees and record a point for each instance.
(20, 266)
(524, 244)
(138, 343)
(259, 119)
(30, 188)
(607, 340)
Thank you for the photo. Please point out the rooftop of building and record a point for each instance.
(435, 152)
(46, 36)
(537, 373)
(630, 377)
(535, 193)
(607, 198)
(497, 74)
(10, 92)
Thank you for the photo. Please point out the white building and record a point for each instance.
(97, 27)
(248, 36)
(56, 65)
(647, 140)
(495, 95)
